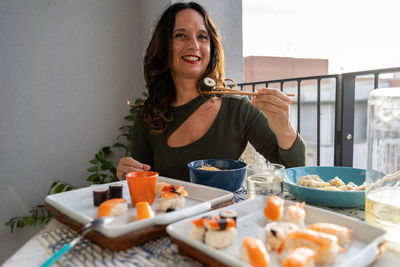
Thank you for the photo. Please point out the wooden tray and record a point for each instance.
(193, 253)
(121, 242)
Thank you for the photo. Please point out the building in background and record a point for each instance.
(262, 68)
(258, 68)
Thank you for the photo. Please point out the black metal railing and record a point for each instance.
(345, 85)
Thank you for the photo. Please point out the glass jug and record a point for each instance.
(382, 203)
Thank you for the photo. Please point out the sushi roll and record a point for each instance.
(228, 214)
(325, 245)
(172, 198)
(295, 214)
(273, 210)
(300, 257)
(112, 207)
(214, 231)
(99, 196)
(143, 210)
(275, 232)
(343, 234)
(115, 190)
(252, 251)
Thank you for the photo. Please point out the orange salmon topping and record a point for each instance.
(199, 222)
(106, 207)
(258, 256)
(318, 238)
(215, 222)
(273, 210)
(173, 189)
(218, 223)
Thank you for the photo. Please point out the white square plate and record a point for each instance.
(78, 205)
(251, 222)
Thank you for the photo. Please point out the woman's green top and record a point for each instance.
(237, 123)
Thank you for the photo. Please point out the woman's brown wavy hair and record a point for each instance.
(156, 112)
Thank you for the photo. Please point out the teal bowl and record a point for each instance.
(337, 199)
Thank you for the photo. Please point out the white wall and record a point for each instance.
(66, 71)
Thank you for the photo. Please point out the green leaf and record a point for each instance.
(20, 223)
(129, 118)
(9, 223)
(106, 150)
(123, 135)
(94, 161)
(29, 220)
(51, 187)
(43, 218)
(119, 145)
(92, 177)
(125, 127)
(101, 157)
(138, 102)
(93, 169)
(59, 188)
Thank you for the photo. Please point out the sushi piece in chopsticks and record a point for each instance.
(143, 210)
(214, 231)
(275, 232)
(172, 197)
(273, 210)
(253, 252)
(325, 245)
(343, 234)
(300, 257)
(295, 214)
(112, 207)
(99, 196)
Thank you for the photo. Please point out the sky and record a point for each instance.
(354, 35)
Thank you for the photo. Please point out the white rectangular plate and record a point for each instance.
(251, 222)
(78, 205)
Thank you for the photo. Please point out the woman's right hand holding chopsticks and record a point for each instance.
(276, 106)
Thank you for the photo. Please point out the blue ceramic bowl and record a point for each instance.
(230, 177)
(343, 199)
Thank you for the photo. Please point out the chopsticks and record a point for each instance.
(228, 91)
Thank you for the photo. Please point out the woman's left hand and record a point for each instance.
(276, 106)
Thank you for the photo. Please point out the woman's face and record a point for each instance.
(190, 45)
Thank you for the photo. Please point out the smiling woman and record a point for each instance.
(180, 122)
(191, 46)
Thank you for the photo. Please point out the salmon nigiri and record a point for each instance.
(343, 234)
(253, 251)
(143, 210)
(274, 208)
(112, 207)
(325, 245)
(300, 257)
